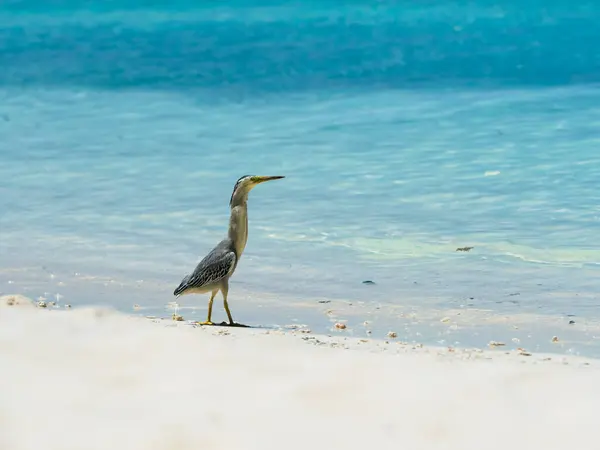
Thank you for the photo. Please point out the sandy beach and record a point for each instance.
(93, 378)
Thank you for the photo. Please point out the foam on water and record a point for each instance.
(123, 132)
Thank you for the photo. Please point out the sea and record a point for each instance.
(441, 163)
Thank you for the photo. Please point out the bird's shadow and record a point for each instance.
(231, 325)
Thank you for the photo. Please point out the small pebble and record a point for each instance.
(392, 334)
(42, 304)
(340, 326)
(464, 249)
(445, 319)
(177, 317)
(554, 338)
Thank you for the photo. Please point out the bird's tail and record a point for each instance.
(182, 286)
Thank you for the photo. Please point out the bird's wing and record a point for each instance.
(214, 267)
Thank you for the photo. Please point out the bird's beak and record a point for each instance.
(262, 179)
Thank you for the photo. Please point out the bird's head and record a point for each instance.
(245, 184)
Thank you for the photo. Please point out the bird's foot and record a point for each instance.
(206, 322)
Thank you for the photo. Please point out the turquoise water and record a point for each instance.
(405, 130)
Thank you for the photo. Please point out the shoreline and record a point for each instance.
(456, 326)
(494, 349)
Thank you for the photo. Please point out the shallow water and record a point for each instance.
(404, 134)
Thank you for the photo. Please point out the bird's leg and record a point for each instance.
(210, 305)
(224, 291)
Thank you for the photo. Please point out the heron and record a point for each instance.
(213, 272)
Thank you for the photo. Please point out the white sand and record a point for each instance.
(89, 379)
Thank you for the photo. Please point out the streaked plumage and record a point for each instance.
(213, 272)
(213, 268)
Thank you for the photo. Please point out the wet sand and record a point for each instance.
(94, 378)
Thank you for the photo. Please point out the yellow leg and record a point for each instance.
(224, 291)
(210, 305)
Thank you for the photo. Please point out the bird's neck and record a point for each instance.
(238, 227)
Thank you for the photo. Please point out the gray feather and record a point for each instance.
(213, 268)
